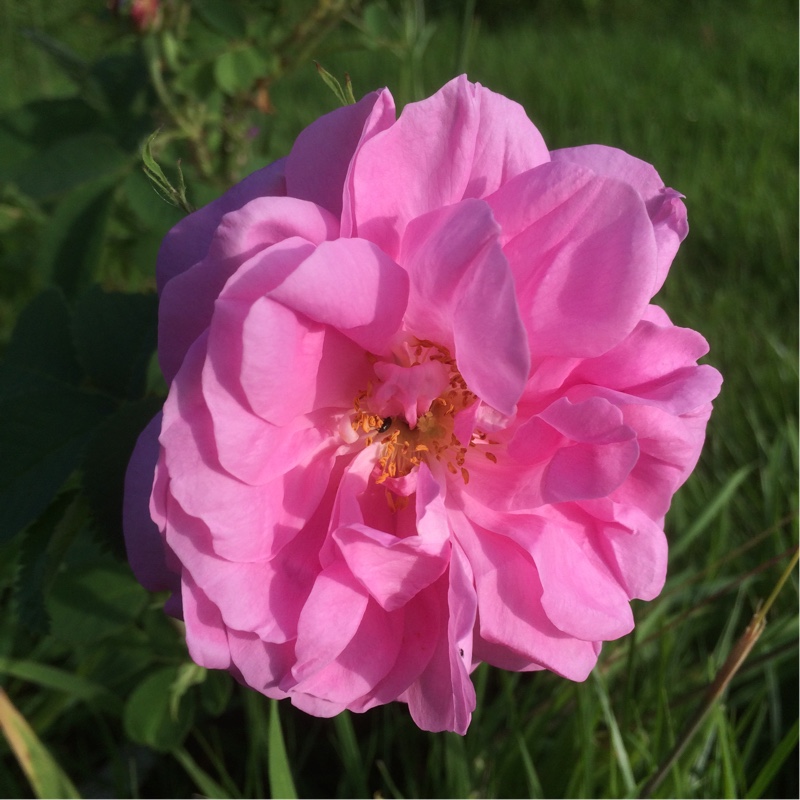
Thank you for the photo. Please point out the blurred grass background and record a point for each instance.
(707, 91)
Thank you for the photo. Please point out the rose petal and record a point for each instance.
(583, 255)
(464, 141)
(664, 206)
(462, 295)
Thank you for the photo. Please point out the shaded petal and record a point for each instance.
(462, 295)
(443, 698)
(579, 594)
(248, 522)
(510, 605)
(395, 570)
(364, 662)
(329, 620)
(320, 158)
(583, 254)
(187, 301)
(143, 541)
(664, 206)
(206, 635)
(189, 240)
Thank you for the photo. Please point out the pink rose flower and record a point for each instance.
(421, 413)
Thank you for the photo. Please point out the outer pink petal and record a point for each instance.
(263, 597)
(187, 301)
(510, 605)
(462, 294)
(632, 545)
(464, 141)
(247, 522)
(320, 159)
(583, 255)
(664, 206)
(364, 662)
(260, 665)
(143, 541)
(206, 635)
(579, 594)
(188, 242)
(329, 620)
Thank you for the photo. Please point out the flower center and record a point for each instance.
(412, 413)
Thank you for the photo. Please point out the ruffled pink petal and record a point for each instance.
(317, 167)
(395, 570)
(510, 605)
(260, 665)
(188, 242)
(187, 301)
(579, 593)
(443, 697)
(464, 141)
(648, 354)
(664, 206)
(583, 254)
(422, 630)
(670, 447)
(264, 597)
(633, 546)
(351, 285)
(330, 619)
(205, 633)
(462, 295)
(363, 663)
(248, 522)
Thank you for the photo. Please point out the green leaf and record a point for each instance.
(59, 680)
(71, 247)
(215, 691)
(236, 70)
(70, 163)
(115, 334)
(105, 463)
(44, 428)
(92, 601)
(281, 783)
(222, 16)
(42, 340)
(147, 717)
(148, 204)
(160, 182)
(343, 95)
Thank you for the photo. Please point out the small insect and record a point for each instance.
(387, 422)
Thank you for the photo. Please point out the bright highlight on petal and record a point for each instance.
(422, 413)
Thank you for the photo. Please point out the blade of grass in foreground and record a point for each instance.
(45, 775)
(280, 775)
(736, 658)
(774, 763)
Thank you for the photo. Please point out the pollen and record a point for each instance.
(402, 447)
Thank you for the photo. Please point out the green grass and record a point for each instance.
(709, 95)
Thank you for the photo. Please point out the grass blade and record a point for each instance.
(281, 783)
(774, 763)
(43, 772)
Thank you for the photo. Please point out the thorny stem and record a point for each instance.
(735, 659)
